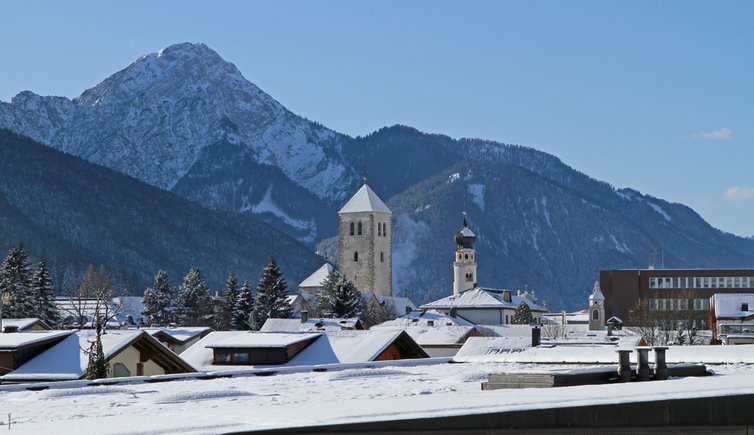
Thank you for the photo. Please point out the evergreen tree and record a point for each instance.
(45, 293)
(242, 308)
(231, 294)
(272, 295)
(522, 316)
(340, 297)
(15, 279)
(97, 367)
(159, 301)
(194, 302)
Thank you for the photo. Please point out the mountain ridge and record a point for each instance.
(186, 120)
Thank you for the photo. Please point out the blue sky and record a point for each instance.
(654, 95)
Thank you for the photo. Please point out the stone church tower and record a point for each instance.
(596, 309)
(365, 241)
(464, 266)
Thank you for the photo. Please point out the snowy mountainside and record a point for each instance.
(185, 120)
(153, 119)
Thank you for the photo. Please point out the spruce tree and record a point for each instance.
(15, 279)
(231, 294)
(339, 297)
(522, 315)
(194, 306)
(97, 367)
(242, 308)
(272, 295)
(159, 301)
(45, 293)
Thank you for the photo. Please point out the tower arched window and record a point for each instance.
(469, 277)
(466, 256)
(352, 228)
(384, 230)
(355, 256)
(379, 229)
(382, 256)
(595, 315)
(359, 228)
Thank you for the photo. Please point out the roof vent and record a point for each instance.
(10, 329)
(430, 323)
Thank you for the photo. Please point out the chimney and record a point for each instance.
(304, 316)
(507, 296)
(453, 311)
(744, 306)
(10, 329)
(609, 329)
(535, 336)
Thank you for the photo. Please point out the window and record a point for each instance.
(384, 230)
(466, 256)
(359, 228)
(382, 256)
(595, 315)
(241, 357)
(352, 227)
(653, 304)
(222, 357)
(120, 370)
(379, 229)
(744, 306)
(355, 256)
(469, 277)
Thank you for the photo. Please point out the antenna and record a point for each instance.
(653, 257)
(366, 174)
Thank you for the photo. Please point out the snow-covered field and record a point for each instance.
(302, 399)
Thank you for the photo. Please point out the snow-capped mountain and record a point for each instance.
(154, 119)
(185, 120)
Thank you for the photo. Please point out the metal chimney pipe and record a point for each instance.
(624, 365)
(304, 316)
(661, 366)
(642, 358)
(536, 337)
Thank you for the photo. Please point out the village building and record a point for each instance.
(17, 348)
(307, 324)
(127, 352)
(440, 335)
(365, 242)
(122, 311)
(178, 339)
(26, 324)
(681, 294)
(314, 283)
(731, 318)
(240, 350)
(479, 305)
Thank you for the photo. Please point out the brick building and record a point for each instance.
(684, 293)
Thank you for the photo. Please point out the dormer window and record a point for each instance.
(745, 306)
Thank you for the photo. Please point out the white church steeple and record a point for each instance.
(464, 266)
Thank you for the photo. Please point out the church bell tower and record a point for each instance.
(464, 266)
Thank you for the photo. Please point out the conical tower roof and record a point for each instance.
(365, 200)
(597, 293)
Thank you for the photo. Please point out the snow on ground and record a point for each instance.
(301, 399)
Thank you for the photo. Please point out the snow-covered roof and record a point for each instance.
(361, 346)
(365, 200)
(201, 355)
(730, 305)
(425, 319)
(596, 293)
(25, 323)
(249, 339)
(317, 278)
(67, 360)
(475, 346)
(120, 308)
(15, 340)
(481, 298)
(436, 336)
(402, 305)
(467, 232)
(311, 325)
(179, 335)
